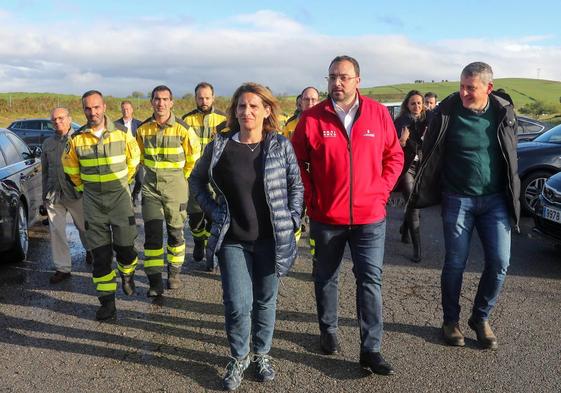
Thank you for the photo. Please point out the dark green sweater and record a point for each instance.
(473, 161)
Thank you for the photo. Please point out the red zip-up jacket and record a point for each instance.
(347, 182)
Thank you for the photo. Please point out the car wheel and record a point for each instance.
(531, 188)
(21, 245)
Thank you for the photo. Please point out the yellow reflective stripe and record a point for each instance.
(109, 287)
(175, 258)
(176, 249)
(71, 170)
(107, 277)
(127, 269)
(153, 253)
(163, 150)
(102, 160)
(153, 262)
(105, 178)
(190, 159)
(164, 164)
(199, 234)
(312, 246)
(312, 242)
(205, 141)
(79, 188)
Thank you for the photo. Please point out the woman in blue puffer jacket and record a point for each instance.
(259, 196)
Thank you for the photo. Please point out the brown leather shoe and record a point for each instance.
(453, 335)
(485, 335)
(58, 277)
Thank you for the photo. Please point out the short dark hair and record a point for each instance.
(92, 93)
(430, 94)
(204, 84)
(350, 59)
(126, 102)
(161, 88)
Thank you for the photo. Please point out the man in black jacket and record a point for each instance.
(131, 124)
(470, 167)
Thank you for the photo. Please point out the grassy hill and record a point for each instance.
(524, 92)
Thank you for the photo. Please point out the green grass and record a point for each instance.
(522, 91)
(25, 105)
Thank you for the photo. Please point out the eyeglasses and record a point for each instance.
(343, 78)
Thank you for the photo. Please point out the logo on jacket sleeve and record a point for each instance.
(329, 134)
(369, 134)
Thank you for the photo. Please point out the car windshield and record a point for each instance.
(551, 136)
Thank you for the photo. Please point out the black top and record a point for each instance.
(239, 174)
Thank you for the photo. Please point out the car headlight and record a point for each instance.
(550, 194)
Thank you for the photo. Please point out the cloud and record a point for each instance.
(265, 46)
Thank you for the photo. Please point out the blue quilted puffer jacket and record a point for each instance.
(283, 189)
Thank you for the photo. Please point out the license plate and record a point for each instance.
(551, 214)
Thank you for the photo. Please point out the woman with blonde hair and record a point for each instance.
(259, 194)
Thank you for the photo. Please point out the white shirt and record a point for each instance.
(128, 124)
(347, 118)
(98, 133)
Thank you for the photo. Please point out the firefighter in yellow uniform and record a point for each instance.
(290, 124)
(100, 160)
(169, 149)
(206, 121)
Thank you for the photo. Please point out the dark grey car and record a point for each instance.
(547, 215)
(20, 193)
(537, 161)
(34, 131)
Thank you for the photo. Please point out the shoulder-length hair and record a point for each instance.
(404, 110)
(271, 123)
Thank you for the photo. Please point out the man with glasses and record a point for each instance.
(350, 160)
(59, 197)
(305, 100)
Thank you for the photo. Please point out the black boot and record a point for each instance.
(156, 285)
(127, 281)
(173, 276)
(107, 309)
(199, 250)
(416, 240)
(403, 230)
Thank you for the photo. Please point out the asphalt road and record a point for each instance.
(50, 341)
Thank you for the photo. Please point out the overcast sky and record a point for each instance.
(123, 46)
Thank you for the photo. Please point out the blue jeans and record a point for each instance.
(460, 215)
(367, 251)
(249, 285)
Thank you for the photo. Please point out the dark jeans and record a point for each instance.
(460, 215)
(249, 284)
(366, 243)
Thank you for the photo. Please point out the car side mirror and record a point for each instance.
(36, 151)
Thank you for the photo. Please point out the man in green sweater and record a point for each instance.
(470, 167)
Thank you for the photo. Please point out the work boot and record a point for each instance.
(59, 277)
(174, 281)
(199, 250)
(416, 240)
(403, 231)
(107, 309)
(127, 281)
(485, 335)
(156, 285)
(452, 334)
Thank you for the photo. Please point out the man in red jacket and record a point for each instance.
(350, 160)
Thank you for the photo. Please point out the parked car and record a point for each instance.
(393, 108)
(20, 193)
(528, 129)
(34, 131)
(547, 215)
(537, 161)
